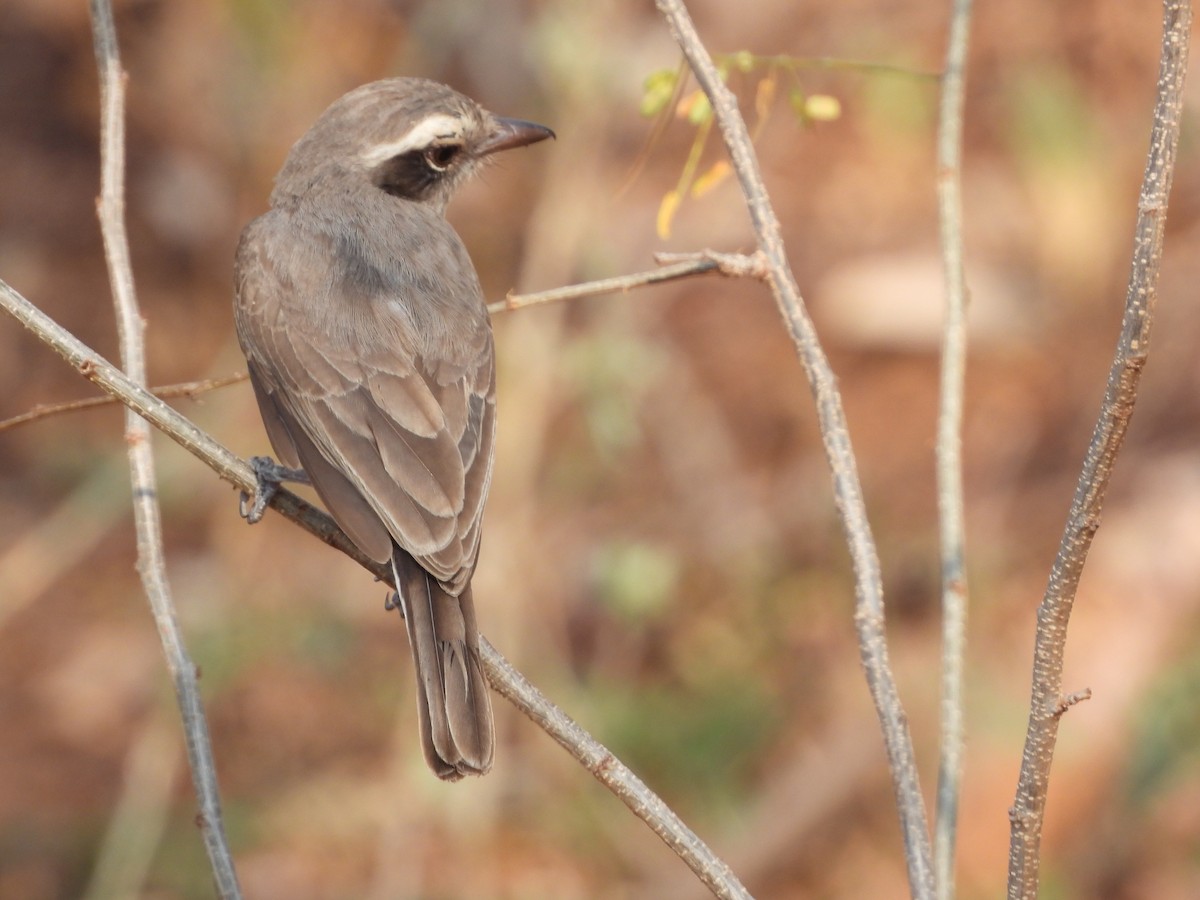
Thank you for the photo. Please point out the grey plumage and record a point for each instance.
(370, 353)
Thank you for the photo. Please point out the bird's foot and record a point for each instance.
(269, 475)
(392, 601)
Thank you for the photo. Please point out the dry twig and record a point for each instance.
(618, 284)
(190, 389)
(869, 612)
(1047, 703)
(147, 518)
(949, 448)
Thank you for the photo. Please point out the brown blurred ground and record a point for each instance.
(662, 554)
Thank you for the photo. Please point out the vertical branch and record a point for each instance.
(949, 448)
(869, 610)
(151, 560)
(1047, 703)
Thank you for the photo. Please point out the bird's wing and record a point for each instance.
(377, 428)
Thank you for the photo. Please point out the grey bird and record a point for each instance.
(370, 353)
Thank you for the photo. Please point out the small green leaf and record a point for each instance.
(637, 580)
(699, 110)
(797, 100)
(658, 88)
(743, 60)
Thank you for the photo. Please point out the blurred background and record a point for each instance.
(661, 551)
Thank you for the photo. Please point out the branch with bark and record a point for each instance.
(835, 434)
(502, 675)
(147, 517)
(1047, 703)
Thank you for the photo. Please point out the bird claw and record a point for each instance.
(269, 475)
(392, 601)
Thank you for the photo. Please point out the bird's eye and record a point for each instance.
(440, 156)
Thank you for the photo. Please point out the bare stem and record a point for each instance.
(949, 448)
(614, 775)
(190, 389)
(505, 679)
(151, 556)
(1047, 702)
(869, 610)
(618, 284)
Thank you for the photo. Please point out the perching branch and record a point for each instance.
(505, 679)
(949, 448)
(869, 611)
(672, 270)
(146, 513)
(1047, 703)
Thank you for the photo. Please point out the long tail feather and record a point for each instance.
(457, 733)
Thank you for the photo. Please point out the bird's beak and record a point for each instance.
(509, 133)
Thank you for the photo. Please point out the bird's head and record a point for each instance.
(408, 137)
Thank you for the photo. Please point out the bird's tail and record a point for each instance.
(457, 734)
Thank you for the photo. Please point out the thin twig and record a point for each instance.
(1046, 702)
(505, 679)
(949, 448)
(619, 284)
(1073, 699)
(614, 775)
(863, 66)
(731, 265)
(185, 389)
(869, 610)
(151, 556)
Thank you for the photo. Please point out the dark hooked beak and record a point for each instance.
(509, 133)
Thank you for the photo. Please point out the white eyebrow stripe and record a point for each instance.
(422, 134)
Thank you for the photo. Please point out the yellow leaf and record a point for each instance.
(666, 213)
(717, 173)
(822, 107)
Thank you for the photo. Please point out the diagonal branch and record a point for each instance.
(1047, 703)
(504, 678)
(616, 284)
(869, 611)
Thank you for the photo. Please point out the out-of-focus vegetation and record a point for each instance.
(661, 551)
